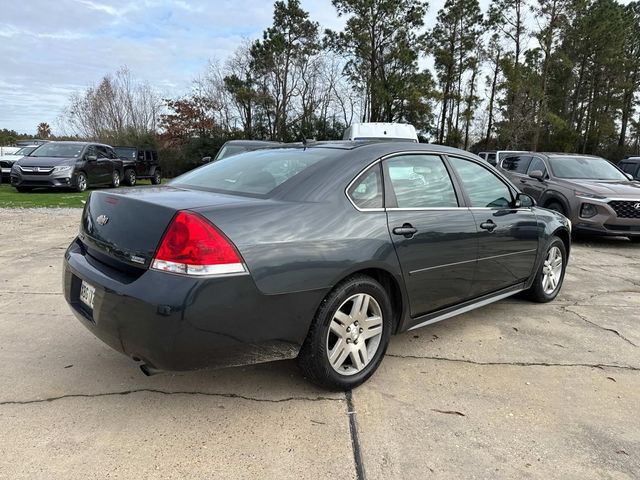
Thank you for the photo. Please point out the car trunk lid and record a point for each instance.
(124, 229)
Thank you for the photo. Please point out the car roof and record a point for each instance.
(74, 142)
(252, 143)
(631, 160)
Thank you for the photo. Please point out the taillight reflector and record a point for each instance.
(193, 246)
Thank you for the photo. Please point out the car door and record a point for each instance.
(434, 235)
(534, 187)
(142, 165)
(105, 165)
(92, 167)
(507, 236)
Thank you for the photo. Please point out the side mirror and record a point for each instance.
(538, 175)
(629, 176)
(206, 159)
(524, 201)
(91, 158)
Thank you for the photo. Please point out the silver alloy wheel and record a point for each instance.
(81, 182)
(552, 270)
(116, 179)
(132, 178)
(354, 334)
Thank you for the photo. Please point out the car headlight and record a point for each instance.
(62, 168)
(593, 196)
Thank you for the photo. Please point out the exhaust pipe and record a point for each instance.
(148, 370)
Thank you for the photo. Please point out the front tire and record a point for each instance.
(130, 177)
(115, 179)
(550, 275)
(23, 189)
(349, 335)
(81, 182)
(634, 239)
(556, 207)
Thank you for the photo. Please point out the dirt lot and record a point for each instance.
(514, 390)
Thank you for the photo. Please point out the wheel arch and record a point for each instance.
(552, 196)
(565, 236)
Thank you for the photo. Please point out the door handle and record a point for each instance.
(406, 229)
(488, 225)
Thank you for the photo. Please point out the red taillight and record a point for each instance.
(193, 246)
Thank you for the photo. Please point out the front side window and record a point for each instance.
(483, 187)
(102, 152)
(421, 181)
(537, 164)
(366, 192)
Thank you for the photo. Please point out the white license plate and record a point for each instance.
(87, 294)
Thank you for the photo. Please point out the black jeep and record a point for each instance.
(139, 163)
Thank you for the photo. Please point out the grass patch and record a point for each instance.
(42, 198)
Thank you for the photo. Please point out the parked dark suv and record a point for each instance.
(75, 165)
(593, 193)
(631, 166)
(139, 164)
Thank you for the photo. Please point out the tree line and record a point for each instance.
(548, 75)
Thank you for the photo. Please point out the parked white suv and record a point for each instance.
(395, 132)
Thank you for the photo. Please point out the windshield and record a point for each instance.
(58, 150)
(125, 152)
(258, 172)
(384, 139)
(25, 151)
(587, 168)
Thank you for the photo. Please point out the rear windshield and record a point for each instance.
(587, 168)
(384, 139)
(258, 172)
(230, 150)
(59, 150)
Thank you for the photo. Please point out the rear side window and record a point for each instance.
(254, 173)
(421, 181)
(366, 191)
(517, 164)
(483, 187)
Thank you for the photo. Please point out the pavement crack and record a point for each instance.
(586, 320)
(355, 441)
(517, 364)
(165, 392)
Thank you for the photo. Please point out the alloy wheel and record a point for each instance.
(81, 182)
(354, 334)
(116, 179)
(552, 270)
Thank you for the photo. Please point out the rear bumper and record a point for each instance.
(173, 322)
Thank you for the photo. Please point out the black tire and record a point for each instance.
(634, 239)
(115, 179)
(313, 359)
(157, 178)
(130, 177)
(23, 189)
(556, 207)
(81, 182)
(537, 291)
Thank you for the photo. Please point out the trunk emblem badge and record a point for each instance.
(102, 220)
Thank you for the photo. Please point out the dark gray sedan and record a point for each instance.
(320, 253)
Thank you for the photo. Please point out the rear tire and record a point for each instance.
(23, 189)
(634, 239)
(157, 178)
(130, 178)
(81, 182)
(549, 277)
(349, 335)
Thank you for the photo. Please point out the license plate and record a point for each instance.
(87, 294)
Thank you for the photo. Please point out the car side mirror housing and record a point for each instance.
(629, 176)
(206, 159)
(91, 158)
(537, 174)
(524, 201)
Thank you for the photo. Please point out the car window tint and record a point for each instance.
(421, 181)
(366, 192)
(483, 187)
(537, 164)
(517, 163)
(491, 157)
(102, 152)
